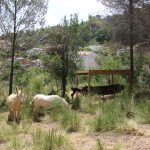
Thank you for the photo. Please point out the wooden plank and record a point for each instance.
(107, 72)
(86, 72)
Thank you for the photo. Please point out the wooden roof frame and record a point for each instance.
(103, 72)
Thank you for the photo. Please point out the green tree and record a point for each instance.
(20, 15)
(85, 33)
(127, 6)
(102, 35)
(62, 56)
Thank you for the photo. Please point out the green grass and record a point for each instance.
(143, 112)
(20, 137)
(76, 104)
(71, 121)
(117, 147)
(111, 114)
(90, 103)
(50, 140)
(99, 145)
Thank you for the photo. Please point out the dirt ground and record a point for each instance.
(111, 140)
(86, 139)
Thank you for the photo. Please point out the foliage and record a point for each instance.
(63, 57)
(108, 60)
(76, 103)
(99, 145)
(4, 54)
(51, 140)
(144, 77)
(35, 80)
(119, 22)
(143, 110)
(85, 33)
(19, 16)
(102, 35)
(56, 112)
(90, 104)
(28, 14)
(111, 115)
(71, 121)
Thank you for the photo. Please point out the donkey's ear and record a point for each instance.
(21, 88)
(16, 89)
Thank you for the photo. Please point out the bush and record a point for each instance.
(144, 78)
(112, 115)
(48, 141)
(99, 145)
(35, 80)
(71, 121)
(56, 112)
(76, 103)
(26, 112)
(143, 110)
(128, 126)
(90, 104)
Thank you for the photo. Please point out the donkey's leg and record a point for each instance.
(10, 116)
(35, 114)
(18, 117)
(14, 115)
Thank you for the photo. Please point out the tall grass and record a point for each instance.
(143, 112)
(11, 136)
(56, 112)
(99, 145)
(117, 147)
(76, 104)
(71, 121)
(26, 112)
(90, 103)
(48, 141)
(111, 115)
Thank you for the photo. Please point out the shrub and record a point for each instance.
(144, 77)
(143, 110)
(76, 103)
(71, 121)
(128, 126)
(111, 115)
(26, 112)
(90, 104)
(117, 147)
(35, 80)
(56, 112)
(51, 140)
(99, 145)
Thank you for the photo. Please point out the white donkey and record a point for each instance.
(14, 103)
(47, 102)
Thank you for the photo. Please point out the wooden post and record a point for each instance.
(77, 82)
(130, 82)
(108, 80)
(112, 79)
(89, 81)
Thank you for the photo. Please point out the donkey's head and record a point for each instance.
(19, 94)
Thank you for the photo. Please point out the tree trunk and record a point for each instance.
(64, 83)
(13, 52)
(131, 43)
